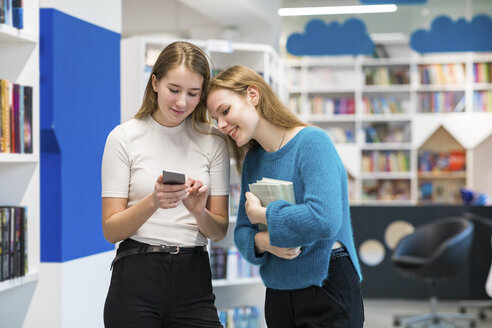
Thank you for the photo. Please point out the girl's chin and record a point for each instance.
(240, 143)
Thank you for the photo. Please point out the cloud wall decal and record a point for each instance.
(396, 2)
(319, 38)
(448, 36)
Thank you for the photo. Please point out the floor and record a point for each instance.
(379, 313)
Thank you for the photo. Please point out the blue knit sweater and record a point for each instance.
(320, 217)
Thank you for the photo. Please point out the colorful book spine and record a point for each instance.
(13, 240)
(15, 118)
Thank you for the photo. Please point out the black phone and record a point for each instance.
(173, 178)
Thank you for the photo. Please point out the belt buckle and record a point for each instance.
(175, 252)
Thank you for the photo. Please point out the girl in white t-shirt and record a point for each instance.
(161, 274)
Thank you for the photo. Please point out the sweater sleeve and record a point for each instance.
(322, 177)
(245, 231)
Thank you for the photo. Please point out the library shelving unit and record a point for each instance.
(138, 54)
(379, 112)
(19, 172)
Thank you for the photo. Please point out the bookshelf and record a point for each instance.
(19, 172)
(137, 57)
(380, 112)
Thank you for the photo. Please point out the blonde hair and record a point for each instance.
(176, 54)
(237, 79)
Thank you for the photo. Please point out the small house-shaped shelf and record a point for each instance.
(441, 168)
(480, 169)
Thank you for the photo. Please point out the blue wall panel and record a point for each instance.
(80, 104)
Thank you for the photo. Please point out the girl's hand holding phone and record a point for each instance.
(169, 195)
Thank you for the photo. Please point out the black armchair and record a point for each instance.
(434, 252)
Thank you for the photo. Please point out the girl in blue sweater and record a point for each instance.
(307, 257)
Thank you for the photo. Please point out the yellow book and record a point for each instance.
(6, 102)
(488, 103)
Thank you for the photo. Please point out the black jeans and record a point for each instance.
(337, 304)
(157, 290)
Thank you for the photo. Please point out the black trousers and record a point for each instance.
(337, 304)
(157, 290)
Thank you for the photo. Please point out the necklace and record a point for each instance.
(282, 141)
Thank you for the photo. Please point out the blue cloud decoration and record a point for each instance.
(448, 36)
(319, 39)
(396, 2)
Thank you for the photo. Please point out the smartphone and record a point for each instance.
(173, 178)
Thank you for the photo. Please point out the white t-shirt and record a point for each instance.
(135, 154)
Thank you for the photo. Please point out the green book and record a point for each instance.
(269, 190)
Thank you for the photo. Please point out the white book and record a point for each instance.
(269, 190)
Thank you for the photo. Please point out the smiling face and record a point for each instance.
(178, 93)
(236, 115)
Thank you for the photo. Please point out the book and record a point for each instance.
(269, 190)
(17, 14)
(28, 128)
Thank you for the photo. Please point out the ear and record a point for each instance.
(155, 83)
(253, 94)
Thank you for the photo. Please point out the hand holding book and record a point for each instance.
(254, 209)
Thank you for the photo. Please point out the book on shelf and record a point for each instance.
(15, 118)
(2, 12)
(244, 316)
(12, 13)
(269, 190)
(13, 239)
(17, 14)
(227, 263)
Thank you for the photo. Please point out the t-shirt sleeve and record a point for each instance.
(115, 168)
(220, 169)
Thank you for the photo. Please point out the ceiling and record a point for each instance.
(257, 21)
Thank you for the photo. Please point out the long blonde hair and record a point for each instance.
(176, 54)
(237, 79)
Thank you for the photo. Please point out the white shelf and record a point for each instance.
(387, 88)
(441, 87)
(18, 158)
(386, 62)
(386, 146)
(18, 281)
(387, 202)
(12, 34)
(329, 118)
(386, 175)
(386, 117)
(482, 86)
(236, 282)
